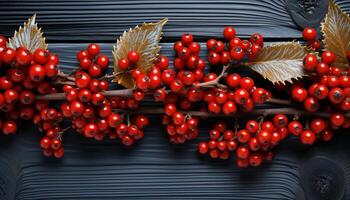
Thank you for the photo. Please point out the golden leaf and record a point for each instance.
(30, 36)
(143, 39)
(336, 33)
(280, 62)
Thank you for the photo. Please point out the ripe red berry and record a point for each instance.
(123, 64)
(336, 95)
(264, 137)
(23, 57)
(257, 38)
(40, 56)
(90, 130)
(133, 57)
(9, 127)
(2, 41)
(328, 57)
(229, 108)
(8, 56)
(214, 58)
(247, 83)
(308, 137)
(143, 82)
(295, 128)
(280, 120)
(162, 63)
(241, 96)
(194, 48)
(102, 61)
(36, 73)
(317, 125)
(243, 136)
(237, 53)
(309, 34)
(233, 80)
(93, 50)
(187, 39)
(337, 119)
(178, 118)
(82, 80)
(310, 62)
(229, 32)
(203, 148)
(45, 143)
(11, 96)
(311, 104)
(242, 152)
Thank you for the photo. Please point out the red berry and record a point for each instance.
(95, 70)
(162, 63)
(133, 57)
(93, 50)
(36, 73)
(23, 57)
(299, 94)
(214, 107)
(229, 108)
(280, 120)
(2, 41)
(178, 118)
(203, 148)
(295, 128)
(229, 32)
(141, 121)
(317, 125)
(194, 48)
(247, 83)
(264, 137)
(311, 104)
(241, 96)
(309, 34)
(143, 82)
(11, 96)
(322, 68)
(255, 160)
(40, 56)
(337, 119)
(336, 95)
(90, 130)
(56, 144)
(102, 61)
(82, 80)
(243, 136)
(328, 57)
(187, 39)
(242, 152)
(214, 58)
(257, 39)
(123, 64)
(233, 80)
(9, 127)
(310, 62)
(210, 44)
(45, 143)
(237, 53)
(252, 126)
(307, 137)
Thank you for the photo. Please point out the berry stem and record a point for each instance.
(215, 82)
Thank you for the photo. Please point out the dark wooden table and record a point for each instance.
(154, 169)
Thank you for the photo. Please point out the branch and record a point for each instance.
(264, 112)
(215, 82)
(62, 96)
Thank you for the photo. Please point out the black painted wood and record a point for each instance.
(83, 20)
(153, 168)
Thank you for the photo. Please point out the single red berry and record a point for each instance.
(162, 62)
(237, 53)
(90, 130)
(220, 126)
(257, 38)
(178, 118)
(2, 41)
(194, 48)
(255, 160)
(214, 58)
(203, 148)
(308, 137)
(322, 68)
(252, 126)
(336, 95)
(328, 57)
(243, 136)
(176, 86)
(280, 120)
(56, 144)
(233, 80)
(317, 125)
(229, 108)
(311, 104)
(102, 61)
(260, 96)
(93, 50)
(337, 119)
(82, 80)
(295, 128)
(210, 44)
(133, 57)
(241, 96)
(310, 62)
(36, 73)
(264, 137)
(247, 83)
(40, 56)
(123, 64)
(8, 56)
(254, 144)
(327, 135)
(187, 39)
(45, 143)
(11, 96)
(143, 82)
(229, 32)
(242, 152)
(141, 121)
(309, 34)
(9, 127)
(214, 107)
(23, 57)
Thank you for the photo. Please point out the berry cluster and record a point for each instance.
(91, 113)
(179, 127)
(23, 76)
(129, 62)
(235, 50)
(252, 145)
(310, 35)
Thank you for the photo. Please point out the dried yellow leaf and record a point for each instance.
(336, 33)
(142, 39)
(280, 62)
(29, 36)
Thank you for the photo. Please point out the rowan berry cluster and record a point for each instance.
(23, 75)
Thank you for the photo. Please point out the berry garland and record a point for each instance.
(319, 88)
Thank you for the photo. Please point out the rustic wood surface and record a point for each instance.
(153, 168)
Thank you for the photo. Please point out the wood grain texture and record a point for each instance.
(106, 19)
(153, 168)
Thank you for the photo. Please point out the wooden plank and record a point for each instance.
(106, 19)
